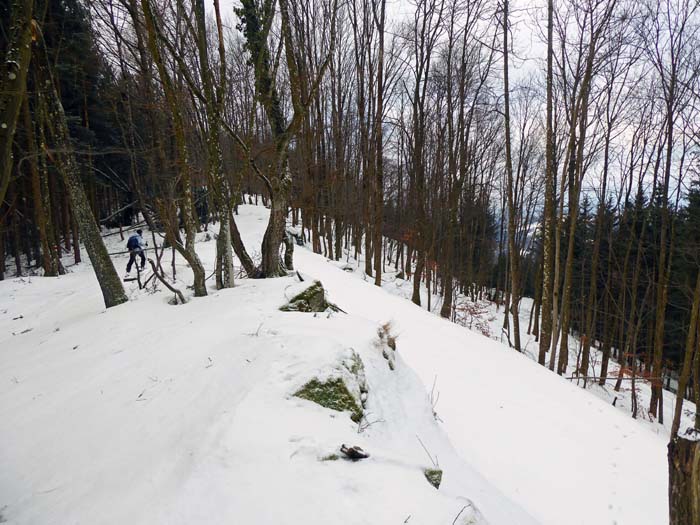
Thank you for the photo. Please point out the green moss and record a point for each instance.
(298, 306)
(330, 457)
(331, 394)
(434, 476)
(311, 299)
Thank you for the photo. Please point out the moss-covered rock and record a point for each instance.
(356, 367)
(342, 388)
(332, 394)
(434, 476)
(311, 299)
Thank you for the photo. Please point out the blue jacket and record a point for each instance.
(135, 242)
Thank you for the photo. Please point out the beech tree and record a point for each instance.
(304, 81)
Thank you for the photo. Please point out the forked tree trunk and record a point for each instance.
(215, 166)
(278, 179)
(186, 206)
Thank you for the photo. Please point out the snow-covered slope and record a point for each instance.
(567, 457)
(150, 413)
(487, 318)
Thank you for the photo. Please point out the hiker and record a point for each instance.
(136, 245)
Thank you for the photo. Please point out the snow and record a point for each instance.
(486, 318)
(151, 413)
(562, 454)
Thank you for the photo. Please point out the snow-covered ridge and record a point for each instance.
(487, 318)
(150, 413)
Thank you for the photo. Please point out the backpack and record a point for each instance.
(132, 243)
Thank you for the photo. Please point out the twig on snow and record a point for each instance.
(177, 292)
(433, 461)
(460, 513)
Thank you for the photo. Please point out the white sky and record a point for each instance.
(528, 47)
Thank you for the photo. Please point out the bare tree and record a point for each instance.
(13, 83)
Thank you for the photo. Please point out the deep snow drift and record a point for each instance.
(151, 413)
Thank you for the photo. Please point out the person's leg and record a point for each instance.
(143, 259)
(132, 260)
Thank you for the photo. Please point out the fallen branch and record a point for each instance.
(593, 378)
(433, 461)
(135, 226)
(117, 212)
(460, 513)
(177, 292)
(129, 251)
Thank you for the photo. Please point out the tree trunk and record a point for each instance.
(684, 481)
(271, 264)
(417, 275)
(2, 251)
(589, 316)
(239, 249)
(288, 252)
(379, 148)
(75, 234)
(545, 334)
(13, 83)
(696, 383)
(110, 283)
(215, 167)
(688, 358)
(186, 206)
(48, 262)
(665, 251)
(511, 196)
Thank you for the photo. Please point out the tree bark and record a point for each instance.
(110, 283)
(691, 347)
(511, 196)
(13, 83)
(49, 264)
(379, 147)
(215, 168)
(186, 206)
(684, 481)
(545, 334)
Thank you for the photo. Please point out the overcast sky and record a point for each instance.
(528, 47)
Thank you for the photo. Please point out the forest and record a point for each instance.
(485, 150)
